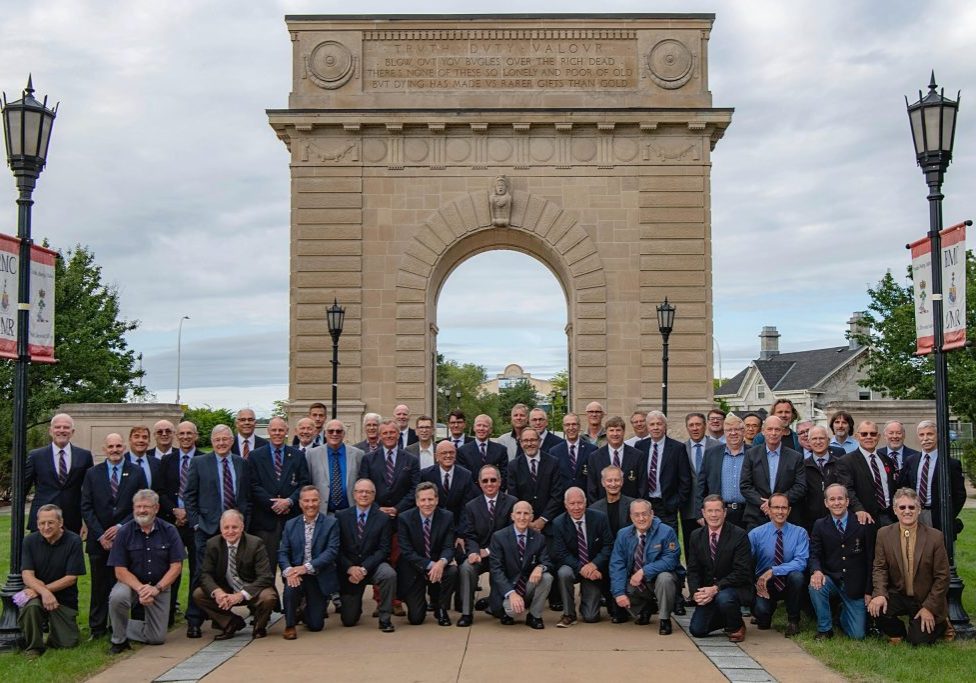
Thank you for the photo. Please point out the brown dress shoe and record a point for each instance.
(739, 635)
(398, 611)
(290, 633)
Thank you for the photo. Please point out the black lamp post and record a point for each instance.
(335, 315)
(665, 323)
(933, 122)
(27, 127)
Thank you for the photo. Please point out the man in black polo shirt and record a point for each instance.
(148, 557)
(52, 562)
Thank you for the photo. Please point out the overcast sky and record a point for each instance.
(163, 163)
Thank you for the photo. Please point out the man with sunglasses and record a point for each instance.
(869, 477)
(334, 468)
(480, 518)
(911, 576)
(164, 433)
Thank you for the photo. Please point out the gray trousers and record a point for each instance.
(590, 592)
(384, 578)
(469, 574)
(665, 587)
(535, 597)
(151, 630)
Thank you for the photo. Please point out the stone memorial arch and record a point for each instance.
(419, 141)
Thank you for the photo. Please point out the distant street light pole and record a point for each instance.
(335, 315)
(933, 122)
(27, 127)
(179, 359)
(665, 324)
(719, 349)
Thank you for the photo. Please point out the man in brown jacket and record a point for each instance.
(911, 576)
(236, 571)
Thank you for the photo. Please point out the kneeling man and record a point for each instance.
(520, 568)
(581, 544)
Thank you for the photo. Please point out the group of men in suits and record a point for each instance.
(418, 533)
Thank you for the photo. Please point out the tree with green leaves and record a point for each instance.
(94, 361)
(558, 399)
(892, 366)
(459, 386)
(206, 418)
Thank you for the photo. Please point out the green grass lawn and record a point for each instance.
(75, 664)
(876, 660)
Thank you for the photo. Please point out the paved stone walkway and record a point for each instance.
(432, 653)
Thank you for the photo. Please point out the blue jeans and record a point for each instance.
(722, 612)
(763, 608)
(853, 614)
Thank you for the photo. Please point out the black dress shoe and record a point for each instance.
(689, 602)
(465, 620)
(442, 618)
(507, 621)
(386, 626)
(643, 619)
(665, 628)
(259, 633)
(619, 619)
(193, 631)
(233, 627)
(532, 622)
(95, 635)
(481, 604)
(556, 606)
(679, 610)
(119, 648)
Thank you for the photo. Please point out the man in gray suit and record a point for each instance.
(334, 468)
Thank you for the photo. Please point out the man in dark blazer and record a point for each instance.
(246, 440)
(364, 546)
(454, 483)
(543, 490)
(927, 607)
(138, 455)
(394, 485)
(236, 571)
(573, 453)
(757, 485)
(216, 482)
(401, 415)
(616, 507)
(482, 516)
(614, 452)
(106, 504)
(696, 444)
(896, 450)
(539, 421)
(721, 472)
(56, 473)
(426, 536)
(870, 496)
(665, 475)
(308, 576)
(820, 468)
(483, 451)
(277, 473)
(174, 470)
(163, 434)
(720, 573)
(521, 570)
(840, 564)
(456, 424)
(581, 543)
(920, 474)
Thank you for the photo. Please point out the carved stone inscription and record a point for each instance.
(517, 60)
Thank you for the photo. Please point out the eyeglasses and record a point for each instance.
(867, 433)
(493, 480)
(594, 412)
(906, 507)
(164, 431)
(335, 431)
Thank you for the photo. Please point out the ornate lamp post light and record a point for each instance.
(665, 323)
(335, 315)
(933, 122)
(27, 126)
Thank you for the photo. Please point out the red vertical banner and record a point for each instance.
(40, 343)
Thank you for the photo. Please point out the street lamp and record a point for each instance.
(27, 127)
(335, 315)
(665, 323)
(179, 359)
(933, 123)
